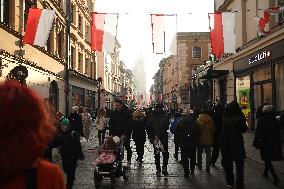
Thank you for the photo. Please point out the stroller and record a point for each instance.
(109, 162)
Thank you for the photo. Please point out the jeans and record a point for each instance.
(139, 149)
(207, 149)
(186, 154)
(69, 169)
(101, 135)
(228, 162)
(165, 155)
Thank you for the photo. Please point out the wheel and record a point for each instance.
(97, 179)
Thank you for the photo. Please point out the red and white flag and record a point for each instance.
(164, 33)
(262, 22)
(222, 33)
(38, 26)
(104, 31)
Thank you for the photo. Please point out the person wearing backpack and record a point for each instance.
(70, 151)
(187, 135)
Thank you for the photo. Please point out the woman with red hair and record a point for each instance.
(25, 132)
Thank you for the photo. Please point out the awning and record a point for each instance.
(208, 74)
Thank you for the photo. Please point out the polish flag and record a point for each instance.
(38, 26)
(104, 31)
(164, 33)
(222, 33)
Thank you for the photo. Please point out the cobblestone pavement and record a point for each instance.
(143, 176)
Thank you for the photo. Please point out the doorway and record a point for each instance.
(262, 93)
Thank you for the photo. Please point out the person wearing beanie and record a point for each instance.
(70, 151)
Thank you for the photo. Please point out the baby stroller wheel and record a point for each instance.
(125, 174)
(97, 179)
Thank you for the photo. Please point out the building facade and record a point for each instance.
(255, 71)
(45, 67)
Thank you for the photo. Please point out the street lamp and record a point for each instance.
(99, 83)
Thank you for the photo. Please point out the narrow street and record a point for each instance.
(144, 176)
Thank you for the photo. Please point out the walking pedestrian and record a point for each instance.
(101, 125)
(70, 151)
(218, 121)
(138, 125)
(176, 119)
(23, 140)
(207, 128)
(119, 125)
(157, 126)
(75, 119)
(86, 120)
(187, 134)
(267, 140)
(233, 144)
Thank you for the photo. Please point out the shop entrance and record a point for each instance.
(262, 93)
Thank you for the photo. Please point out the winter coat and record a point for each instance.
(119, 122)
(187, 132)
(76, 123)
(232, 138)
(49, 176)
(158, 124)
(101, 123)
(70, 147)
(206, 128)
(138, 129)
(268, 132)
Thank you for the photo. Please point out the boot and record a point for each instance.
(158, 170)
(265, 174)
(164, 171)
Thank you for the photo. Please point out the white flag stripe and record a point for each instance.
(158, 33)
(44, 27)
(110, 28)
(170, 35)
(229, 35)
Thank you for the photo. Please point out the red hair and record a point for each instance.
(25, 129)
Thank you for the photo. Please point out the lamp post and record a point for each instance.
(99, 83)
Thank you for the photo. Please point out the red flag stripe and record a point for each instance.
(32, 23)
(97, 31)
(216, 35)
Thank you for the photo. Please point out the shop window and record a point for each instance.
(196, 52)
(262, 74)
(4, 11)
(279, 81)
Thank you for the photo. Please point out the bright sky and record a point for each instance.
(134, 27)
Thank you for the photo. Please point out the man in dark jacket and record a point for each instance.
(75, 119)
(119, 125)
(157, 126)
(233, 143)
(70, 151)
(187, 135)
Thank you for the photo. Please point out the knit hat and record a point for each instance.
(64, 121)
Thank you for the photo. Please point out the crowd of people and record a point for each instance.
(210, 130)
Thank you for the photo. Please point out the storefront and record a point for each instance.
(259, 78)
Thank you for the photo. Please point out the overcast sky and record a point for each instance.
(134, 27)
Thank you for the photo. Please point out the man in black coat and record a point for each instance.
(75, 119)
(187, 134)
(157, 126)
(119, 125)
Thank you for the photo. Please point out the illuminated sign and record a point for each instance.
(260, 56)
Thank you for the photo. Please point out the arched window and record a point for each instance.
(53, 95)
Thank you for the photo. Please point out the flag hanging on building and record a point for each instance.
(38, 26)
(262, 22)
(104, 31)
(222, 33)
(164, 29)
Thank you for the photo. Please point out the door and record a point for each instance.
(262, 93)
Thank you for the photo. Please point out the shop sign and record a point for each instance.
(259, 56)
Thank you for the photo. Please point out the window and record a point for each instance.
(73, 14)
(88, 33)
(80, 24)
(59, 44)
(279, 79)
(28, 5)
(4, 11)
(87, 66)
(80, 66)
(73, 58)
(196, 52)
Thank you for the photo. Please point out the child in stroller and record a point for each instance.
(109, 161)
